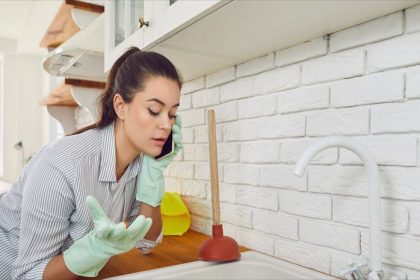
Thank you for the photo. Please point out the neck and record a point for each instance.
(125, 153)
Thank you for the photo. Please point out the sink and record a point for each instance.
(252, 265)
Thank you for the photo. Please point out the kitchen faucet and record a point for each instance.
(375, 264)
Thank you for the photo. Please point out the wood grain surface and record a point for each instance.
(173, 250)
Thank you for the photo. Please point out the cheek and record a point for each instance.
(141, 123)
(139, 117)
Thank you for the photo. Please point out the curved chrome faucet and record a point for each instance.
(375, 262)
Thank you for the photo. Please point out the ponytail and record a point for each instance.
(106, 100)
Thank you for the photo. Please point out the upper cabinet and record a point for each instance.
(201, 37)
(145, 24)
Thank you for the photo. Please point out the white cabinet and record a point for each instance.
(201, 37)
(161, 19)
(122, 28)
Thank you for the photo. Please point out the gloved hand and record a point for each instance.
(150, 182)
(88, 255)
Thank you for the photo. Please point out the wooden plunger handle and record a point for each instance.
(214, 177)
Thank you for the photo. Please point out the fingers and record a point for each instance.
(136, 226)
(178, 121)
(146, 226)
(119, 231)
(139, 227)
(102, 226)
(103, 230)
(177, 136)
(95, 208)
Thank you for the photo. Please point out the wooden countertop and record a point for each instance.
(173, 250)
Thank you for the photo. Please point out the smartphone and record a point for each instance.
(168, 147)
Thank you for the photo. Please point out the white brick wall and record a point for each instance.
(400, 183)
(264, 152)
(255, 66)
(397, 250)
(194, 188)
(227, 192)
(274, 223)
(373, 31)
(241, 174)
(413, 19)
(362, 82)
(303, 99)
(387, 150)
(342, 122)
(205, 97)
(397, 52)
(236, 215)
(278, 79)
(220, 77)
(292, 150)
(265, 128)
(356, 212)
(378, 88)
(415, 219)
(257, 107)
(237, 89)
(256, 241)
(257, 197)
(337, 66)
(301, 52)
(306, 204)
(193, 85)
(279, 176)
(396, 118)
(412, 87)
(325, 234)
(347, 180)
(303, 254)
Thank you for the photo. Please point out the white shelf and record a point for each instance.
(81, 57)
(66, 117)
(88, 99)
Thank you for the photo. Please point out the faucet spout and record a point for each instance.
(375, 262)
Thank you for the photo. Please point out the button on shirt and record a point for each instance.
(45, 211)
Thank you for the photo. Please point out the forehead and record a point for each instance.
(162, 88)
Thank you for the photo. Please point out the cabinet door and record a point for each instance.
(165, 18)
(122, 27)
(171, 16)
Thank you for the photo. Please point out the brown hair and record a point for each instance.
(127, 76)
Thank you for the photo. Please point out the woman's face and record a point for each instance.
(149, 117)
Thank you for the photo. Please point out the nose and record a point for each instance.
(165, 123)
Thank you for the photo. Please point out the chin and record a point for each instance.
(153, 152)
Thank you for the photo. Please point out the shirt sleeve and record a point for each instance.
(144, 245)
(47, 204)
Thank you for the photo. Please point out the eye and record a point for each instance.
(153, 113)
(172, 117)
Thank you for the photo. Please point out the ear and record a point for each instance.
(120, 106)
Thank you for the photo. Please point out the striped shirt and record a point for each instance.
(45, 212)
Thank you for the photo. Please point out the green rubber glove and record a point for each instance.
(88, 255)
(150, 181)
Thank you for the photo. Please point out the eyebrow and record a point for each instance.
(161, 102)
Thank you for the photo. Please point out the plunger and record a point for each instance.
(218, 248)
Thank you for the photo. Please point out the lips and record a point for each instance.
(159, 141)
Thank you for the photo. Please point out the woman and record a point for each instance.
(51, 223)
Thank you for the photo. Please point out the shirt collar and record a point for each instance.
(108, 157)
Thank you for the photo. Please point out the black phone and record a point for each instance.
(167, 147)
